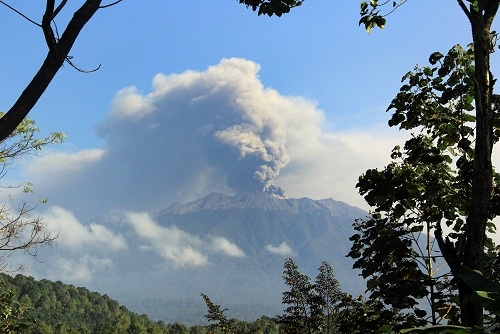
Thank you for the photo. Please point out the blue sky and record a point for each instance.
(317, 51)
(305, 93)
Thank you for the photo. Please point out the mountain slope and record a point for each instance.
(231, 248)
(311, 230)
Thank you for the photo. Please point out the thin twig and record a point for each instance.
(18, 12)
(395, 7)
(111, 4)
(81, 70)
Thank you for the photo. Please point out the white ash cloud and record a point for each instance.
(197, 132)
(194, 133)
(221, 121)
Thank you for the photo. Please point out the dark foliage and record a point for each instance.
(272, 7)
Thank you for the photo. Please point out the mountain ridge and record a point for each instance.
(239, 241)
(259, 200)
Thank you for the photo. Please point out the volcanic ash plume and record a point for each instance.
(197, 132)
(217, 126)
(261, 153)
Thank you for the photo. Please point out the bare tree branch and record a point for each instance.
(465, 9)
(50, 39)
(18, 12)
(20, 232)
(56, 56)
(111, 4)
(58, 9)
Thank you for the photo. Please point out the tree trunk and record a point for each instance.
(473, 249)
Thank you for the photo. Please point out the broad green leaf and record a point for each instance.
(477, 281)
(435, 57)
(428, 71)
(489, 300)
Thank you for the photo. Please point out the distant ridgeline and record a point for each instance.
(55, 307)
(263, 228)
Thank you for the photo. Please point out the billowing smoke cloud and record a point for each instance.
(222, 119)
(197, 132)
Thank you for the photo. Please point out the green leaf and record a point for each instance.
(477, 281)
(489, 300)
(435, 57)
(364, 6)
(381, 22)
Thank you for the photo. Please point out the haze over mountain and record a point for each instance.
(231, 248)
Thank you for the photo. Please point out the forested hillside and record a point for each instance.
(58, 308)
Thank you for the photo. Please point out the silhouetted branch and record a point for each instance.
(56, 56)
(18, 12)
(111, 4)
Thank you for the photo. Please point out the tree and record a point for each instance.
(304, 311)
(215, 314)
(272, 7)
(480, 14)
(18, 231)
(13, 317)
(312, 308)
(177, 328)
(327, 288)
(428, 184)
(59, 48)
(198, 329)
(486, 292)
(264, 325)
